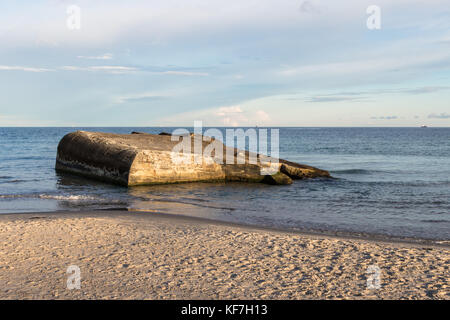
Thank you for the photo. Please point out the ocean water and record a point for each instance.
(392, 182)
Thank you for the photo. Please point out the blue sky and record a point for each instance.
(227, 63)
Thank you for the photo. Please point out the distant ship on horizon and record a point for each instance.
(424, 126)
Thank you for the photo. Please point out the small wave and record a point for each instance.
(24, 158)
(356, 171)
(51, 197)
(16, 181)
(191, 203)
(435, 221)
(446, 242)
(68, 197)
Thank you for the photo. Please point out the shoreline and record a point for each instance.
(138, 255)
(344, 235)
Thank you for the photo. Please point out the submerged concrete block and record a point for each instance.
(145, 159)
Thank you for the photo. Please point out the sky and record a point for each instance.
(226, 63)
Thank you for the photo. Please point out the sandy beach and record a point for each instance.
(134, 255)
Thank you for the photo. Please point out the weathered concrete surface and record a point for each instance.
(143, 159)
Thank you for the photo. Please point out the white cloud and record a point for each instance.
(224, 111)
(442, 115)
(106, 56)
(427, 89)
(108, 69)
(365, 66)
(140, 97)
(232, 116)
(229, 116)
(186, 73)
(26, 69)
(124, 69)
(119, 69)
(262, 116)
(384, 118)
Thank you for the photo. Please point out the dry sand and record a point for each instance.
(129, 255)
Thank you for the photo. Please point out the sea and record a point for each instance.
(387, 182)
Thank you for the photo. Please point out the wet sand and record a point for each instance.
(131, 255)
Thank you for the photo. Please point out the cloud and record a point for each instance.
(26, 69)
(332, 99)
(118, 69)
(140, 97)
(261, 115)
(385, 118)
(358, 67)
(416, 90)
(224, 111)
(348, 96)
(443, 115)
(234, 117)
(229, 116)
(106, 56)
(186, 73)
(426, 89)
(108, 69)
